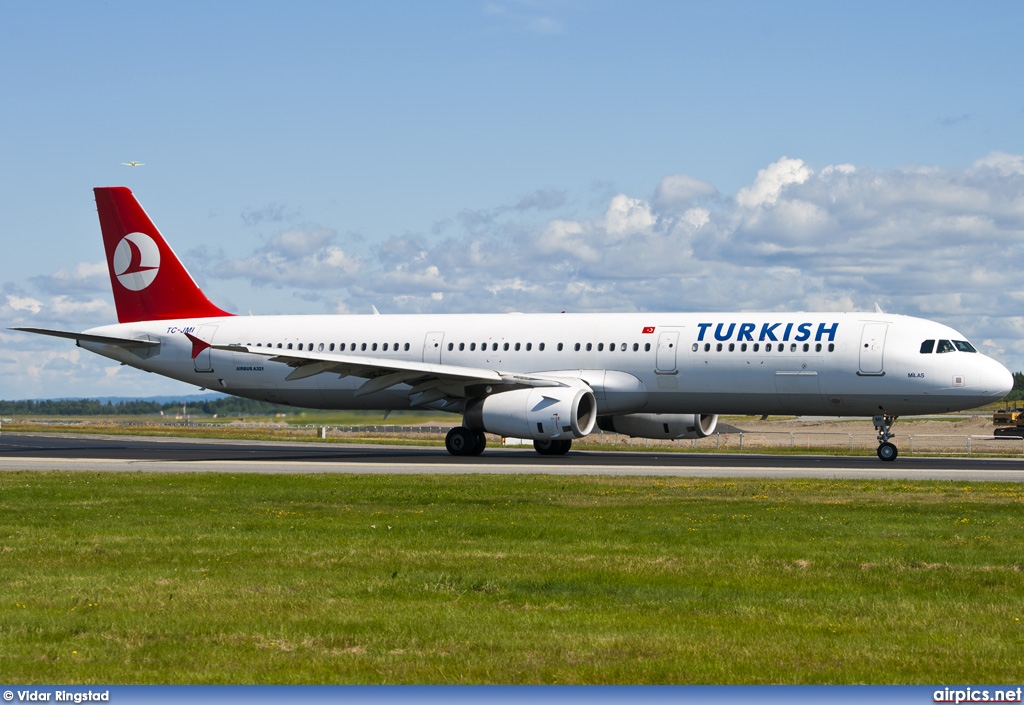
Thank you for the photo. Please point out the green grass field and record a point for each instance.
(145, 578)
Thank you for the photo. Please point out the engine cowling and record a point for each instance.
(539, 414)
(660, 426)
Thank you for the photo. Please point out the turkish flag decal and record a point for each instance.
(648, 330)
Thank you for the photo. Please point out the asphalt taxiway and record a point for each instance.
(70, 452)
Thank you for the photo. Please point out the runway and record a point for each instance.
(68, 452)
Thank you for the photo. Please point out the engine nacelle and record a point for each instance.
(540, 414)
(661, 426)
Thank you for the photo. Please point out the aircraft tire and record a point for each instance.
(552, 447)
(481, 443)
(887, 452)
(461, 441)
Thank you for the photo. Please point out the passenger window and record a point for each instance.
(374, 347)
(577, 347)
(518, 346)
(743, 347)
(590, 346)
(462, 346)
(927, 347)
(331, 348)
(636, 346)
(300, 346)
(600, 347)
(505, 346)
(385, 347)
(451, 346)
(695, 347)
(831, 347)
(560, 346)
(289, 346)
(817, 347)
(757, 346)
(529, 347)
(540, 347)
(472, 347)
(707, 347)
(718, 347)
(647, 347)
(945, 347)
(320, 347)
(768, 347)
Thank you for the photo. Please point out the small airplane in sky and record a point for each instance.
(551, 378)
(133, 163)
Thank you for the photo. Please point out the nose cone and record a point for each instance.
(994, 380)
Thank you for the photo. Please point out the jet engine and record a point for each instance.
(540, 414)
(660, 426)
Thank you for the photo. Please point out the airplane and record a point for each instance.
(133, 163)
(546, 377)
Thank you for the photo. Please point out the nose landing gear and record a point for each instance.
(883, 424)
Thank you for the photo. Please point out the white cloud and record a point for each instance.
(1002, 163)
(295, 258)
(771, 180)
(627, 215)
(24, 303)
(681, 189)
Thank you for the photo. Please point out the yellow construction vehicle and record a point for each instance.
(1009, 421)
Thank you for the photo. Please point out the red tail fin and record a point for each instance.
(149, 281)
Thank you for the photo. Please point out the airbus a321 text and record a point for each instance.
(550, 378)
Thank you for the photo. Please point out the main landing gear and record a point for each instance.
(463, 441)
(552, 447)
(883, 424)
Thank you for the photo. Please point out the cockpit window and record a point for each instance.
(945, 346)
(927, 347)
(964, 346)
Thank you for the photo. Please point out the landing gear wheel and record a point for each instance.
(552, 447)
(887, 451)
(883, 424)
(461, 441)
(481, 443)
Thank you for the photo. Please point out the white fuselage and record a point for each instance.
(839, 364)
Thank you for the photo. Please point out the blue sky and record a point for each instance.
(514, 155)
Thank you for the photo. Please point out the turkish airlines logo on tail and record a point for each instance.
(136, 261)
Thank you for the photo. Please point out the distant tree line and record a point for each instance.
(1017, 393)
(229, 406)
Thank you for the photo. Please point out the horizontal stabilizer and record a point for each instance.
(128, 343)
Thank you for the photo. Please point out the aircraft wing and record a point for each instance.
(129, 343)
(430, 381)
